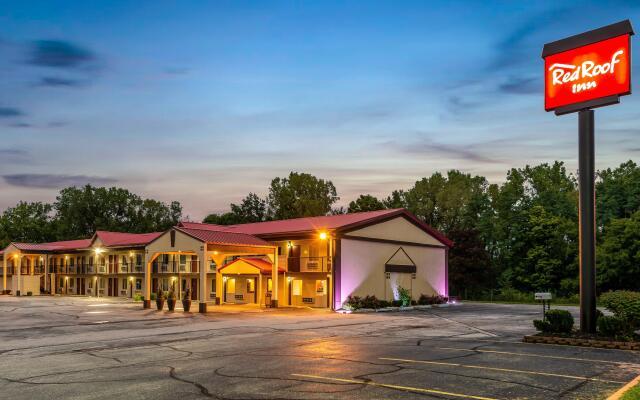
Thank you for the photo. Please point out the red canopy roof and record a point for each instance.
(224, 238)
(263, 265)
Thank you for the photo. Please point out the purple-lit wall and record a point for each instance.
(362, 269)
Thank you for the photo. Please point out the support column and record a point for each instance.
(586, 181)
(147, 280)
(46, 272)
(19, 284)
(202, 295)
(4, 273)
(274, 279)
(219, 260)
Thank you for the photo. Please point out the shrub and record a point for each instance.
(555, 321)
(405, 296)
(435, 299)
(172, 295)
(624, 304)
(154, 296)
(160, 295)
(370, 302)
(138, 297)
(396, 303)
(352, 303)
(186, 295)
(613, 326)
(29, 293)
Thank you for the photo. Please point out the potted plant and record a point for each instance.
(186, 300)
(171, 300)
(160, 299)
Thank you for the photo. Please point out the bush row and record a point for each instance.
(625, 306)
(372, 302)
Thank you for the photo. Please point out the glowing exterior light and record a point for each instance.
(97, 250)
(323, 235)
(215, 252)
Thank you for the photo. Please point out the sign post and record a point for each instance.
(582, 72)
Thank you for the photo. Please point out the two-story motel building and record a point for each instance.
(315, 262)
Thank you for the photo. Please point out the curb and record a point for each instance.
(620, 392)
(602, 344)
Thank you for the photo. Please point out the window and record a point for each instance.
(71, 282)
(269, 285)
(90, 284)
(212, 266)
(138, 259)
(251, 285)
(213, 285)
(101, 283)
(61, 282)
(165, 284)
(297, 287)
(125, 260)
(124, 284)
(91, 261)
(321, 286)
(71, 262)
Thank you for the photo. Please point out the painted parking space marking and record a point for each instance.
(515, 371)
(590, 360)
(396, 387)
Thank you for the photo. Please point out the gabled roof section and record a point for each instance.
(224, 238)
(339, 223)
(122, 239)
(261, 264)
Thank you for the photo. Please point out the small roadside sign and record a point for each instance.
(543, 296)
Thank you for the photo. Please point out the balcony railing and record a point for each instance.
(306, 264)
(173, 267)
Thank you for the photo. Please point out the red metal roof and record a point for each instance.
(263, 265)
(315, 224)
(115, 239)
(224, 238)
(54, 246)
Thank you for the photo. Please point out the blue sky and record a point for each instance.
(205, 101)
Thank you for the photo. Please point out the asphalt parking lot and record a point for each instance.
(88, 348)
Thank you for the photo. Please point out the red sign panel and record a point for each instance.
(589, 72)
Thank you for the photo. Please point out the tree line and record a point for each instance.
(519, 235)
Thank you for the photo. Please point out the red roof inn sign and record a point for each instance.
(592, 69)
(582, 72)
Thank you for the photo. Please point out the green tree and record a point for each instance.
(27, 222)
(619, 255)
(469, 263)
(300, 195)
(455, 201)
(365, 202)
(227, 218)
(532, 230)
(617, 193)
(251, 209)
(82, 211)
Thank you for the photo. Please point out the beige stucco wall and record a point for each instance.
(363, 262)
(28, 283)
(398, 229)
(183, 243)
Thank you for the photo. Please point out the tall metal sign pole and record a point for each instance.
(583, 72)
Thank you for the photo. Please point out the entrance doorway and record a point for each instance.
(80, 286)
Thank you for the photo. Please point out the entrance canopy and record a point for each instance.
(249, 266)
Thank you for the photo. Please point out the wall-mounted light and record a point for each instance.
(215, 252)
(323, 235)
(289, 279)
(131, 254)
(289, 244)
(224, 278)
(131, 278)
(97, 250)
